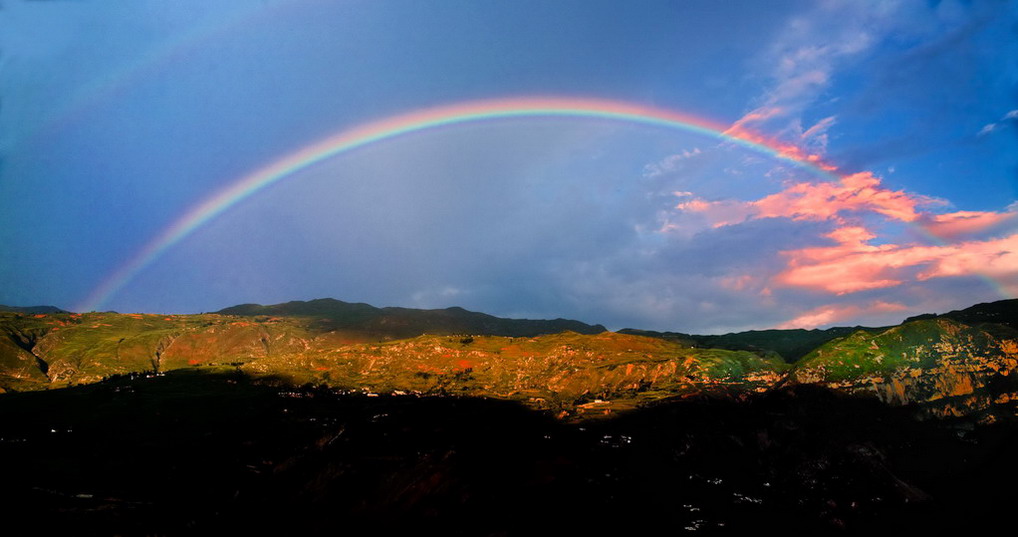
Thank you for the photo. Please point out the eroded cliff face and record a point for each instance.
(19, 361)
(945, 368)
(563, 372)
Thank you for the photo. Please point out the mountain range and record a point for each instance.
(958, 363)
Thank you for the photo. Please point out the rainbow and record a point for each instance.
(431, 118)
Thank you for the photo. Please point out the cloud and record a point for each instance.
(953, 225)
(987, 129)
(828, 200)
(851, 247)
(819, 130)
(802, 62)
(671, 163)
(1004, 121)
(786, 150)
(853, 265)
(839, 313)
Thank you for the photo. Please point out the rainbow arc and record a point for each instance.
(428, 119)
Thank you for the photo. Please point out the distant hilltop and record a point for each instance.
(401, 323)
(32, 309)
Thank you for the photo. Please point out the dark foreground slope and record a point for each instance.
(200, 453)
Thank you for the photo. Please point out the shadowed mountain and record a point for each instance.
(399, 323)
(32, 309)
(791, 345)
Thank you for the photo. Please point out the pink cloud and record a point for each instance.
(856, 235)
(853, 265)
(756, 116)
(817, 201)
(993, 258)
(952, 225)
(831, 314)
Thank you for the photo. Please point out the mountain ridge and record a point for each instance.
(400, 322)
(32, 309)
(1003, 312)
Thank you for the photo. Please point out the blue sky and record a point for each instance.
(118, 117)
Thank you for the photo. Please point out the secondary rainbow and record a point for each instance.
(431, 118)
(104, 88)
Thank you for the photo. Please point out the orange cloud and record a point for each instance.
(827, 315)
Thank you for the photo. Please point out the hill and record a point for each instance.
(946, 367)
